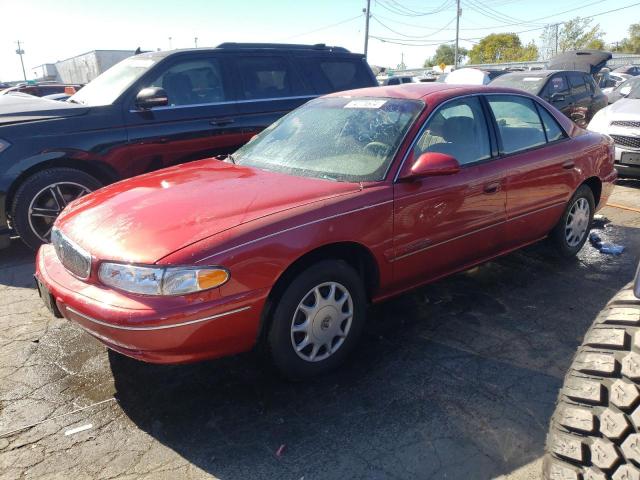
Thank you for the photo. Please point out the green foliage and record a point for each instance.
(580, 33)
(631, 44)
(502, 47)
(445, 54)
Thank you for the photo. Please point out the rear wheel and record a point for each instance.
(41, 198)
(595, 429)
(571, 232)
(318, 320)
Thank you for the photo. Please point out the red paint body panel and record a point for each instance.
(257, 224)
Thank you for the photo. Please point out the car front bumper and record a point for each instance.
(143, 328)
(626, 170)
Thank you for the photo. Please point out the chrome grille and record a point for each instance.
(625, 141)
(73, 257)
(626, 123)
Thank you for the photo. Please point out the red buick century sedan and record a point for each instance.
(351, 199)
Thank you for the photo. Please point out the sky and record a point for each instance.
(53, 30)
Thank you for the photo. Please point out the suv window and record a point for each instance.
(192, 82)
(557, 84)
(551, 126)
(518, 122)
(266, 77)
(458, 129)
(334, 74)
(393, 81)
(578, 86)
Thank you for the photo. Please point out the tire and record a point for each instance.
(38, 191)
(594, 429)
(559, 234)
(325, 326)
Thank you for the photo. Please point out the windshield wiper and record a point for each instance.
(226, 157)
(71, 100)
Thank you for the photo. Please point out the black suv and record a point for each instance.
(150, 111)
(573, 93)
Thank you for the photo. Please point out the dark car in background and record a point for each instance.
(148, 112)
(632, 70)
(43, 89)
(574, 93)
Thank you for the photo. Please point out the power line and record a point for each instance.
(324, 28)
(412, 36)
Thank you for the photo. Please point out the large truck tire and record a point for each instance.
(595, 429)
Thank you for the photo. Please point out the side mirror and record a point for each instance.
(626, 90)
(432, 164)
(557, 97)
(151, 97)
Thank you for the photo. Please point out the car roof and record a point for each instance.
(420, 91)
(533, 73)
(254, 47)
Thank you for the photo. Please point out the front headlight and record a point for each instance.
(4, 145)
(151, 280)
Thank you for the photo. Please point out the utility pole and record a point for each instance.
(458, 13)
(557, 25)
(170, 38)
(20, 52)
(195, 40)
(366, 28)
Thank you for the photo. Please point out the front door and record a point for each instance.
(444, 223)
(199, 121)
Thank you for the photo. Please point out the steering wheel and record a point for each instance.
(376, 148)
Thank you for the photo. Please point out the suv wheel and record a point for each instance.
(41, 198)
(318, 320)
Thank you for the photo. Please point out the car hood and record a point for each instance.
(624, 109)
(27, 108)
(143, 219)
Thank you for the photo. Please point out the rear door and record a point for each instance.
(540, 169)
(443, 223)
(199, 121)
(581, 97)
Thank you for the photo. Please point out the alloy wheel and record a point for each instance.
(577, 222)
(321, 321)
(47, 204)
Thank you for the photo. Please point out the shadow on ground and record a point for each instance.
(457, 379)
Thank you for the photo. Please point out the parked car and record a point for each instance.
(473, 76)
(399, 80)
(621, 121)
(150, 111)
(573, 93)
(42, 89)
(591, 433)
(632, 70)
(352, 198)
(622, 90)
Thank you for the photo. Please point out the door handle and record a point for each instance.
(492, 187)
(221, 121)
(568, 165)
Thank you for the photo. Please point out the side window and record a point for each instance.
(578, 87)
(551, 126)
(192, 82)
(393, 81)
(518, 122)
(266, 77)
(589, 82)
(557, 84)
(458, 129)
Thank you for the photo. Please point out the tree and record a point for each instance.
(445, 53)
(630, 44)
(579, 33)
(502, 47)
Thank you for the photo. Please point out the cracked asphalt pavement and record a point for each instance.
(455, 380)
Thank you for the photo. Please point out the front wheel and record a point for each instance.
(41, 198)
(318, 320)
(571, 232)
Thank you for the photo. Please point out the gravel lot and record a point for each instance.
(455, 380)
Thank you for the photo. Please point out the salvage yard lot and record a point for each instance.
(457, 379)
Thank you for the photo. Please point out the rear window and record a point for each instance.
(529, 83)
(333, 75)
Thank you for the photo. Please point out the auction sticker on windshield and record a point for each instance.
(365, 103)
